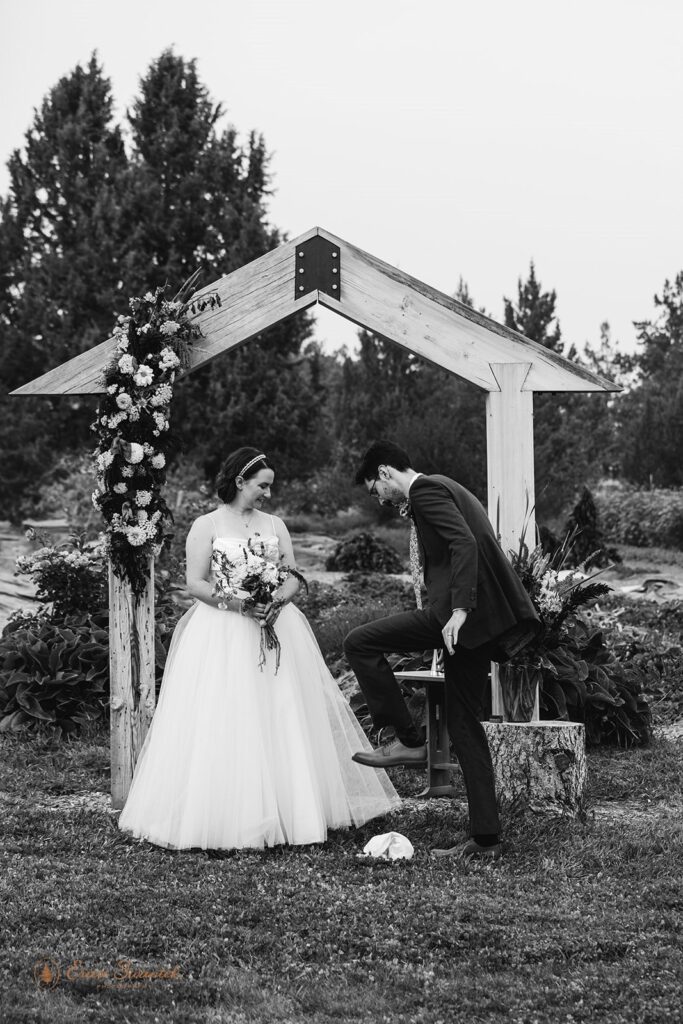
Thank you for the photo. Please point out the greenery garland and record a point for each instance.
(132, 425)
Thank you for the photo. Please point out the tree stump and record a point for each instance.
(539, 766)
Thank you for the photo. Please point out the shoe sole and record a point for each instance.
(388, 762)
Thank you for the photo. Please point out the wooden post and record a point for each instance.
(131, 675)
(510, 461)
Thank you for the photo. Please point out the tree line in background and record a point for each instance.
(97, 212)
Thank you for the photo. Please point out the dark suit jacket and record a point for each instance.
(464, 567)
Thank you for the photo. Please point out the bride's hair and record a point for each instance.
(226, 488)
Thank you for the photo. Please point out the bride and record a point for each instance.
(239, 755)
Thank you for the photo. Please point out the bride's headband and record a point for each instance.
(250, 464)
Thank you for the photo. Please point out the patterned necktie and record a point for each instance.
(415, 564)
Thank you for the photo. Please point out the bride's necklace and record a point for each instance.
(246, 519)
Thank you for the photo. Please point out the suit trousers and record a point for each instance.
(466, 679)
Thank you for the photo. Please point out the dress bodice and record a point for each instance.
(234, 547)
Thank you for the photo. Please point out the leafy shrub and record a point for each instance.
(363, 552)
(641, 518)
(66, 490)
(323, 493)
(54, 673)
(333, 611)
(586, 681)
(71, 576)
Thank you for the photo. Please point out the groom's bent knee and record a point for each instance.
(355, 642)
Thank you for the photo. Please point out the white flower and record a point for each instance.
(114, 421)
(270, 575)
(143, 497)
(127, 364)
(104, 421)
(148, 297)
(169, 327)
(148, 448)
(105, 460)
(168, 359)
(159, 461)
(120, 488)
(122, 344)
(127, 471)
(145, 329)
(96, 497)
(134, 414)
(121, 319)
(142, 516)
(135, 535)
(112, 389)
(124, 401)
(144, 376)
(136, 452)
(162, 395)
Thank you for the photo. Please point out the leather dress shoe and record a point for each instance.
(392, 753)
(472, 850)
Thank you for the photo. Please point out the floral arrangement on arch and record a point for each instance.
(134, 446)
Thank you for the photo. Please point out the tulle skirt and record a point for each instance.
(238, 756)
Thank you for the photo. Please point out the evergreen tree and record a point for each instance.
(84, 227)
(437, 417)
(197, 200)
(534, 316)
(61, 239)
(651, 414)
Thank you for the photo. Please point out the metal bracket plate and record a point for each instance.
(317, 267)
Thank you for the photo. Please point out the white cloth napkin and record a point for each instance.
(390, 846)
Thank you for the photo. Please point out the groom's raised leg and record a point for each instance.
(366, 648)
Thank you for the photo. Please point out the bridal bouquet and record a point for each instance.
(253, 577)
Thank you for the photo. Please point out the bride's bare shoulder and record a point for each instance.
(202, 525)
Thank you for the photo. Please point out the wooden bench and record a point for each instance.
(439, 764)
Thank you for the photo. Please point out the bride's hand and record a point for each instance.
(256, 611)
(274, 609)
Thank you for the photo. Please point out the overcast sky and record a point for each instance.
(448, 138)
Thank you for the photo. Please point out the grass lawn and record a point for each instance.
(581, 921)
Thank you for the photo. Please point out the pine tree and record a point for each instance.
(651, 414)
(437, 417)
(534, 316)
(197, 200)
(59, 266)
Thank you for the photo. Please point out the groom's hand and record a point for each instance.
(452, 628)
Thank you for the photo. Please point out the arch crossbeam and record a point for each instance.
(372, 294)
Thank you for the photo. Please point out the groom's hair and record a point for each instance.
(381, 453)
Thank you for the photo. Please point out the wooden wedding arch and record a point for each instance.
(319, 267)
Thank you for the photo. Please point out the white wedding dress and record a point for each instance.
(241, 757)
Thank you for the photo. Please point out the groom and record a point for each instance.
(478, 611)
